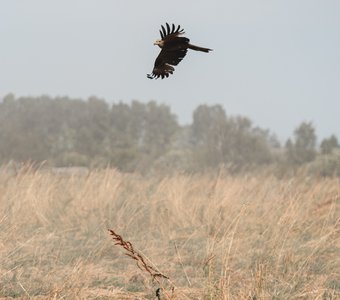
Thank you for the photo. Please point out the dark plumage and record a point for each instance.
(174, 48)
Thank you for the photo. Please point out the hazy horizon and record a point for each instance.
(277, 62)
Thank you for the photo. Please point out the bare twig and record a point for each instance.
(131, 252)
(141, 263)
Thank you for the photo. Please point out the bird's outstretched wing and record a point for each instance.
(170, 31)
(165, 61)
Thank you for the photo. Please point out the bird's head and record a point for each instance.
(160, 43)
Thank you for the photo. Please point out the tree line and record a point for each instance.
(145, 137)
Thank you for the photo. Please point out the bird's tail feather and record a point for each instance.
(193, 47)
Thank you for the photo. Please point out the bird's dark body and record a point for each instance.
(176, 43)
(174, 49)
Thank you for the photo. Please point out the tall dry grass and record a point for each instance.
(215, 236)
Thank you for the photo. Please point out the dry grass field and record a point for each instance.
(214, 236)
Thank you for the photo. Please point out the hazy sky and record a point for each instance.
(277, 62)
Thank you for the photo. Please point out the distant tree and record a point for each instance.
(273, 140)
(290, 151)
(24, 128)
(59, 130)
(92, 127)
(218, 139)
(156, 126)
(140, 133)
(122, 138)
(9, 98)
(328, 144)
(302, 150)
(208, 133)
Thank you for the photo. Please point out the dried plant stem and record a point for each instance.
(180, 261)
(141, 263)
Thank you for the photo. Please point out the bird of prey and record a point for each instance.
(174, 48)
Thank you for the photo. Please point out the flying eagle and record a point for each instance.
(174, 48)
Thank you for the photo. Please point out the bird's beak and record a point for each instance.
(155, 43)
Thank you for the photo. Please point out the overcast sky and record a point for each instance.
(276, 62)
